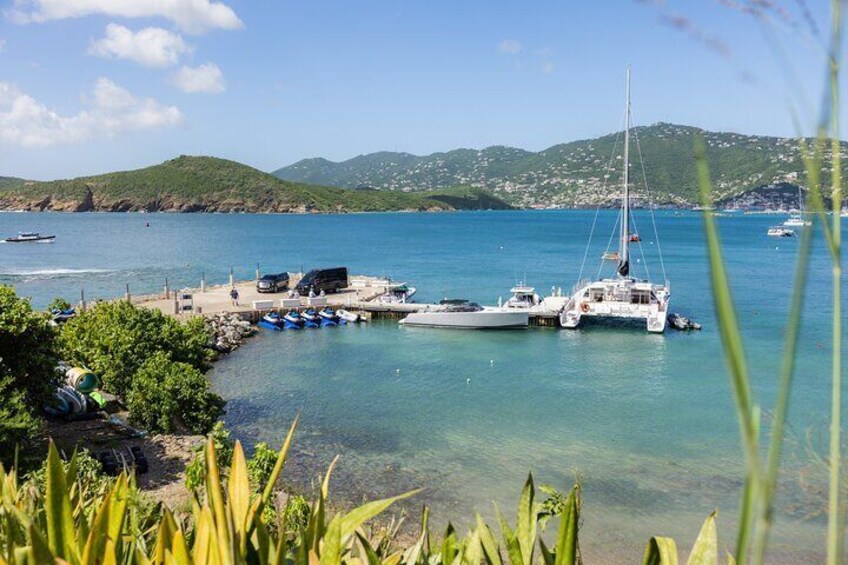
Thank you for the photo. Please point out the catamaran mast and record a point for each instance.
(624, 261)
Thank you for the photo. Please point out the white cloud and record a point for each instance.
(151, 46)
(205, 78)
(111, 110)
(547, 67)
(510, 47)
(191, 16)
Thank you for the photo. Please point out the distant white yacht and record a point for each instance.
(622, 296)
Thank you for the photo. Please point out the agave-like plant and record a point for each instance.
(80, 524)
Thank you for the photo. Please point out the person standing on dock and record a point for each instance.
(234, 294)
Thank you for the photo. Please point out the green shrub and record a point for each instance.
(164, 391)
(195, 471)
(261, 465)
(27, 358)
(58, 303)
(114, 339)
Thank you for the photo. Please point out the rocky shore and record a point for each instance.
(229, 331)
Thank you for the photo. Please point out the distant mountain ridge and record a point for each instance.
(577, 173)
(209, 184)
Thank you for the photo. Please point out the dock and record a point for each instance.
(359, 297)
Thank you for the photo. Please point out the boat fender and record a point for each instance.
(584, 307)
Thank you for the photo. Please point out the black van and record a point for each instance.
(328, 280)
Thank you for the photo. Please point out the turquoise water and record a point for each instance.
(646, 422)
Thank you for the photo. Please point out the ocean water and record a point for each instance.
(645, 422)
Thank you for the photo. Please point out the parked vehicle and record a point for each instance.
(273, 283)
(323, 280)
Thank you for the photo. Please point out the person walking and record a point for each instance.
(234, 294)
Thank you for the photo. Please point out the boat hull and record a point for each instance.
(40, 239)
(482, 320)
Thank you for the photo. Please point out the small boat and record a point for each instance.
(682, 323)
(462, 314)
(329, 317)
(780, 231)
(399, 293)
(634, 238)
(350, 317)
(30, 236)
(523, 297)
(272, 321)
(293, 321)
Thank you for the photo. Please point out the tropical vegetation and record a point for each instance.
(209, 184)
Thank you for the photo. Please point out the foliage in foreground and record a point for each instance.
(27, 358)
(153, 361)
(81, 519)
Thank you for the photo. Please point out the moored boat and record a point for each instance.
(293, 321)
(780, 231)
(462, 314)
(622, 296)
(350, 317)
(272, 321)
(398, 293)
(329, 317)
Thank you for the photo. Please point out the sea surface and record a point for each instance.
(644, 422)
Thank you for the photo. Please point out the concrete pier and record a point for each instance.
(252, 305)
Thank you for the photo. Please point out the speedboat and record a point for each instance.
(399, 293)
(463, 314)
(30, 236)
(61, 316)
(272, 321)
(350, 317)
(621, 296)
(523, 297)
(293, 321)
(328, 317)
(780, 231)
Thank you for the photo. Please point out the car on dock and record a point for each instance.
(273, 283)
(326, 280)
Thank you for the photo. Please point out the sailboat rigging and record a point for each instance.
(622, 296)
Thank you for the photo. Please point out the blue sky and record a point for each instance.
(90, 86)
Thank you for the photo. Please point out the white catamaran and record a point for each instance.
(621, 297)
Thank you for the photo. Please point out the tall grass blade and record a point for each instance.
(660, 551)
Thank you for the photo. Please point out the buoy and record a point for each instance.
(397, 371)
(468, 381)
(491, 361)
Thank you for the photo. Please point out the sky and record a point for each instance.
(92, 86)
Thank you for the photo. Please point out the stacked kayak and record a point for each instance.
(77, 396)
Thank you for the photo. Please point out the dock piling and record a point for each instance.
(232, 279)
(167, 290)
(82, 300)
(203, 282)
(257, 271)
(127, 295)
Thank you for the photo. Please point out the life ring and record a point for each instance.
(584, 307)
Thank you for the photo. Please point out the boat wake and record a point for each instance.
(28, 275)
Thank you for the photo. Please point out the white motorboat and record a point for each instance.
(462, 314)
(523, 296)
(622, 296)
(397, 293)
(780, 231)
(30, 237)
(348, 316)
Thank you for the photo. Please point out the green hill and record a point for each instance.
(208, 184)
(10, 182)
(575, 173)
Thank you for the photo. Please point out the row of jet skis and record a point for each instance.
(294, 320)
